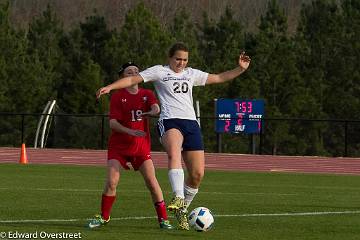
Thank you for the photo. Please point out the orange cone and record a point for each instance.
(23, 156)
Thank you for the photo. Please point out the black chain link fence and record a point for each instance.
(321, 137)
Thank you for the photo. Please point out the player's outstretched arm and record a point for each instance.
(118, 127)
(244, 62)
(155, 110)
(119, 84)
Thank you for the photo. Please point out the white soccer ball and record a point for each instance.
(201, 219)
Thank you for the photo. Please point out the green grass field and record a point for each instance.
(246, 205)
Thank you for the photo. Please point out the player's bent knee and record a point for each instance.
(196, 177)
(112, 185)
(174, 157)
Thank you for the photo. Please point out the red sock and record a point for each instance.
(106, 205)
(161, 210)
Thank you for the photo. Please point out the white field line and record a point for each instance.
(200, 192)
(140, 191)
(215, 215)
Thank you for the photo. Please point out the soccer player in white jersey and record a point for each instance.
(179, 130)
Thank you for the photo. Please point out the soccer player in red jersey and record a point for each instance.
(129, 146)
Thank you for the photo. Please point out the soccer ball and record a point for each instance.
(201, 219)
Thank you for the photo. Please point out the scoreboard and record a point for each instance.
(239, 115)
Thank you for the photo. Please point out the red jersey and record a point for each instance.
(126, 108)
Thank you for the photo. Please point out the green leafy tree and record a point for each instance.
(184, 30)
(274, 65)
(25, 73)
(94, 38)
(316, 32)
(81, 131)
(320, 60)
(7, 39)
(346, 79)
(142, 39)
(349, 49)
(220, 44)
(44, 35)
(81, 97)
(82, 77)
(9, 47)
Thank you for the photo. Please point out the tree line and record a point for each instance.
(311, 74)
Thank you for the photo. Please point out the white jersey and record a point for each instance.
(175, 89)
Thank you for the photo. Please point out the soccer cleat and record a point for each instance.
(182, 219)
(165, 224)
(97, 221)
(176, 204)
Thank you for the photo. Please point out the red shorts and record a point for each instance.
(125, 161)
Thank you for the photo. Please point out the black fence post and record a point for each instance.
(261, 136)
(218, 142)
(252, 144)
(346, 139)
(102, 132)
(22, 128)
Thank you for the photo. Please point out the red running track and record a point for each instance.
(234, 162)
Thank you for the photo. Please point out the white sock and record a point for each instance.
(189, 193)
(176, 177)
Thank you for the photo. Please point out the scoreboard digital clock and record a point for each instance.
(239, 115)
